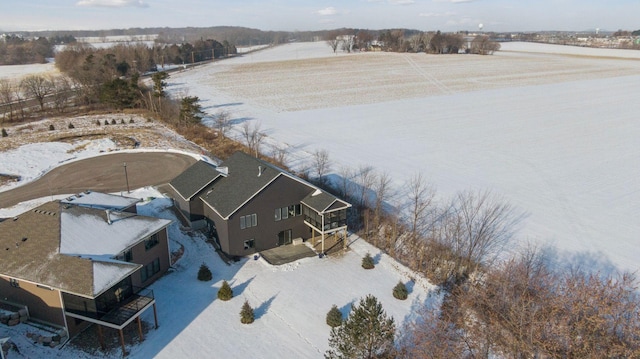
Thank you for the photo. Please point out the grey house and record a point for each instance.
(250, 205)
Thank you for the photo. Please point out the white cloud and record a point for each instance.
(112, 3)
(327, 11)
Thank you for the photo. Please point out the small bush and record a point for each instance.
(367, 262)
(204, 273)
(246, 313)
(122, 121)
(98, 122)
(131, 120)
(113, 121)
(225, 292)
(334, 317)
(400, 291)
(106, 122)
(4, 133)
(71, 126)
(51, 128)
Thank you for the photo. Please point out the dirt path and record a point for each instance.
(103, 173)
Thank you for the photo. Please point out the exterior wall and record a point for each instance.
(192, 210)
(44, 304)
(283, 192)
(221, 228)
(144, 256)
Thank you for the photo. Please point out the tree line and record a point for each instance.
(400, 40)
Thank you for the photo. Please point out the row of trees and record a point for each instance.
(15, 50)
(416, 41)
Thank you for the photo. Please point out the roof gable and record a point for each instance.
(194, 179)
(323, 202)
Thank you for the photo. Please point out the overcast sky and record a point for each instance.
(289, 15)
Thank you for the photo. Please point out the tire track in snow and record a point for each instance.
(442, 87)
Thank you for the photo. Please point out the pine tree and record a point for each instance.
(367, 262)
(204, 273)
(4, 133)
(71, 126)
(400, 291)
(51, 127)
(225, 292)
(367, 332)
(334, 317)
(98, 122)
(246, 313)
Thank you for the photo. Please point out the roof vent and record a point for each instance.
(15, 218)
(260, 170)
(108, 212)
(24, 239)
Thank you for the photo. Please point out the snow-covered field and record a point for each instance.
(290, 301)
(554, 130)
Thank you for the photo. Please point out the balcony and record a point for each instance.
(120, 315)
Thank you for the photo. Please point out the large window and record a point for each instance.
(150, 270)
(151, 241)
(250, 220)
(286, 212)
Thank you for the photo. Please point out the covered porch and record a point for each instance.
(326, 215)
(120, 315)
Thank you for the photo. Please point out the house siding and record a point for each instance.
(193, 210)
(141, 255)
(44, 304)
(221, 228)
(282, 192)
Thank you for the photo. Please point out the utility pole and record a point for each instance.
(126, 177)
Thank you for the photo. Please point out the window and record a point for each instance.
(14, 283)
(150, 270)
(250, 220)
(289, 211)
(151, 241)
(125, 256)
(250, 243)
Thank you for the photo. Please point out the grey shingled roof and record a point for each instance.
(30, 251)
(241, 184)
(321, 201)
(194, 179)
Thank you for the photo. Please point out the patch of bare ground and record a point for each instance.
(4, 179)
(126, 131)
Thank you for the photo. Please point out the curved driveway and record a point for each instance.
(102, 173)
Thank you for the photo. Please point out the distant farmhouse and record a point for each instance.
(82, 260)
(249, 205)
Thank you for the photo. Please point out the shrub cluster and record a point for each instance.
(246, 313)
(400, 291)
(334, 317)
(367, 262)
(204, 273)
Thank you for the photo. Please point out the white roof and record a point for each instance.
(106, 274)
(92, 232)
(100, 200)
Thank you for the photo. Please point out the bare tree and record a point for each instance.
(222, 123)
(483, 45)
(253, 136)
(345, 187)
(480, 226)
(421, 200)
(321, 164)
(62, 92)
(7, 98)
(332, 40)
(279, 153)
(382, 189)
(38, 87)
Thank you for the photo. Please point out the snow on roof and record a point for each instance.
(91, 232)
(100, 200)
(107, 273)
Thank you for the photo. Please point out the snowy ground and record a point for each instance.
(552, 129)
(290, 301)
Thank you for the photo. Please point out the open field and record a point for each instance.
(551, 129)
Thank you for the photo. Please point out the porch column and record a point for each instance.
(344, 243)
(124, 350)
(322, 234)
(140, 329)
(100, 338)
(155, 315)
